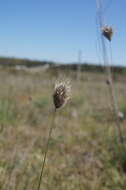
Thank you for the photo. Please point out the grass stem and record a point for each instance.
(46, 151)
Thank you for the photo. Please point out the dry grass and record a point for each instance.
(83, 152)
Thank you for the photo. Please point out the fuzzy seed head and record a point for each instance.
(61, 94)
(107, 32)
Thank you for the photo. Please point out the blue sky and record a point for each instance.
(56, 29)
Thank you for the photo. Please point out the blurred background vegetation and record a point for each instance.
(84, 152)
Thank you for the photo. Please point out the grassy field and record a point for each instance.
(84, 151)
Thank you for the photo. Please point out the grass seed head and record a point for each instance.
(107, 32)
(61, 94)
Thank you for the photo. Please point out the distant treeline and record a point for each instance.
(90, 68)
(22, 62)
(12, 62)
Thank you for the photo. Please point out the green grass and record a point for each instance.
(84, 153)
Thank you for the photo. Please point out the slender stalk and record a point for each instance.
(60, 97)
(79, 65)
(109, 74)
(46, 151)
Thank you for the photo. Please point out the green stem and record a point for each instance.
(47, 146)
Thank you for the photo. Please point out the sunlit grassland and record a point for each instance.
(84, 151)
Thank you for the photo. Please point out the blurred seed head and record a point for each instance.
(120, 116)
(107, 81)
(107, 32)
(61, 94)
